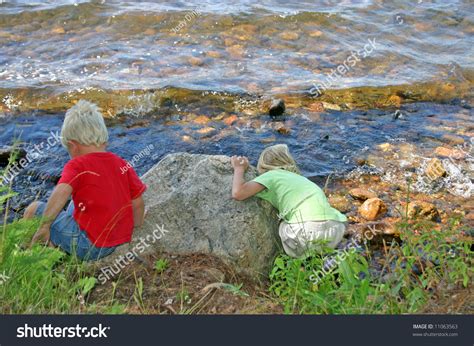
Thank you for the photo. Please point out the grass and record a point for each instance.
(43, 280)
(413, 270)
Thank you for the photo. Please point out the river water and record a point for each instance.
(170, 74)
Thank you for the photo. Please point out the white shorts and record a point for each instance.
(300, 238)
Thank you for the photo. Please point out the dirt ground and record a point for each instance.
(203, 284)
(191, 284)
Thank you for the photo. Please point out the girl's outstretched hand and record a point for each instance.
(239, 162)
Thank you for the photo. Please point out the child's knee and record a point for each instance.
(30, 211)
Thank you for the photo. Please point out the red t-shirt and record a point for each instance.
(103, 187)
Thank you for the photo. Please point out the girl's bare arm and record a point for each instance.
(242, 190)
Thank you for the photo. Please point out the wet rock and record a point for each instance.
(362, 194)
(316, 33)
(7, 152)
(230, 119)
(435, 169)
(190, 195)
(340, 203)
(360, 161)
(385, 146)
(453, 139)
(58, 30)
(202, 120)
(316, 107)
(422, 210)
(282, 129)
(449, 152)
(289, 36)
(395, 100)
(214, 54)
(331, 106)
(196, 61)
(372, 208)
(277, 107)
(236, 51)
(206, 132)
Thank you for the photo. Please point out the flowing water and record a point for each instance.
(170, 73)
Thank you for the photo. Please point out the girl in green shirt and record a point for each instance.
(307, 219)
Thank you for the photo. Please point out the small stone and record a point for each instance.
(202, 120)
(283, 130)
(195, 61)
(214, 54)
(58, 30)
(230, 119)
(362, 194)
(316, 107)
(186, 138)
(277, 107)
(395, 100)
(331, 106)
(372, 208)
(453, 139)
(422, 210)
(315, 33)
(236, 51)
(289, 36)
(206, 131)
(435, 169)
(360, 161)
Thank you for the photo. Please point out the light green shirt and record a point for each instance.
(297, 198)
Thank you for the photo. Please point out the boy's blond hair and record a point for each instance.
(84, 124)
(275, 157)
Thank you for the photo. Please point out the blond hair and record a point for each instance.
(276, 157)
(85, 124)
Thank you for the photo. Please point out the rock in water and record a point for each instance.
(362, 194)
(277, 107)
(372, 208)
(190, 195)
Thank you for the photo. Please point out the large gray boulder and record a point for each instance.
(189, 209)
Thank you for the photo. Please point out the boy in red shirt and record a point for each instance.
(106, 201)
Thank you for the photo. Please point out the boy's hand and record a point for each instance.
(42, 235)
(239, 162)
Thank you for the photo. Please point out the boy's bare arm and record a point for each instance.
(242, 190)
(56, 203)
(138, 206)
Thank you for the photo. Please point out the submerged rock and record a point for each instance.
(190, 197)
(372, 208)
